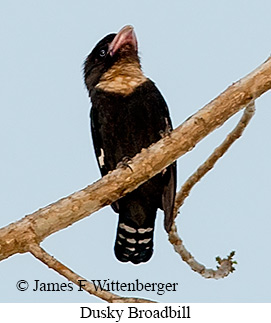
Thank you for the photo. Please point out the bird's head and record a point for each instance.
(114, 62)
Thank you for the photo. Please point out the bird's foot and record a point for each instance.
(166, 132)
(124, 163)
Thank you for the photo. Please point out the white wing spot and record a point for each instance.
(119, 242)
(121, 236)
(127, 228)
(101, 158)
(144, 241)
(142, 231)
(164, 171)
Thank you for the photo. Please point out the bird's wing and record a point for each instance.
(169, 174)
(99, 152)
(168, 197)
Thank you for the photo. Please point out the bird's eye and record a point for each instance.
(102, 53)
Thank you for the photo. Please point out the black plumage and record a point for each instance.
(129, 113)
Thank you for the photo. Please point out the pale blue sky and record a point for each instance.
(193, 50)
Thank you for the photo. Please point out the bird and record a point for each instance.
(128, 113)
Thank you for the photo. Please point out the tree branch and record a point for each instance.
(213, 158)
(32, 229)
(225, 265)
(52, 263)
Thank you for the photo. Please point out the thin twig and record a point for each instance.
(213, 158)
(225, 265)
(54, 264)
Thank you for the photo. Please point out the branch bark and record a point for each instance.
(226, 265)
(32, 229)
(213, 158)
(54, 264)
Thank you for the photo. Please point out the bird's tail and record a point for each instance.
(134, 241)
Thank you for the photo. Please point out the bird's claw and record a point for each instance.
(124, 163)
(166, 132)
